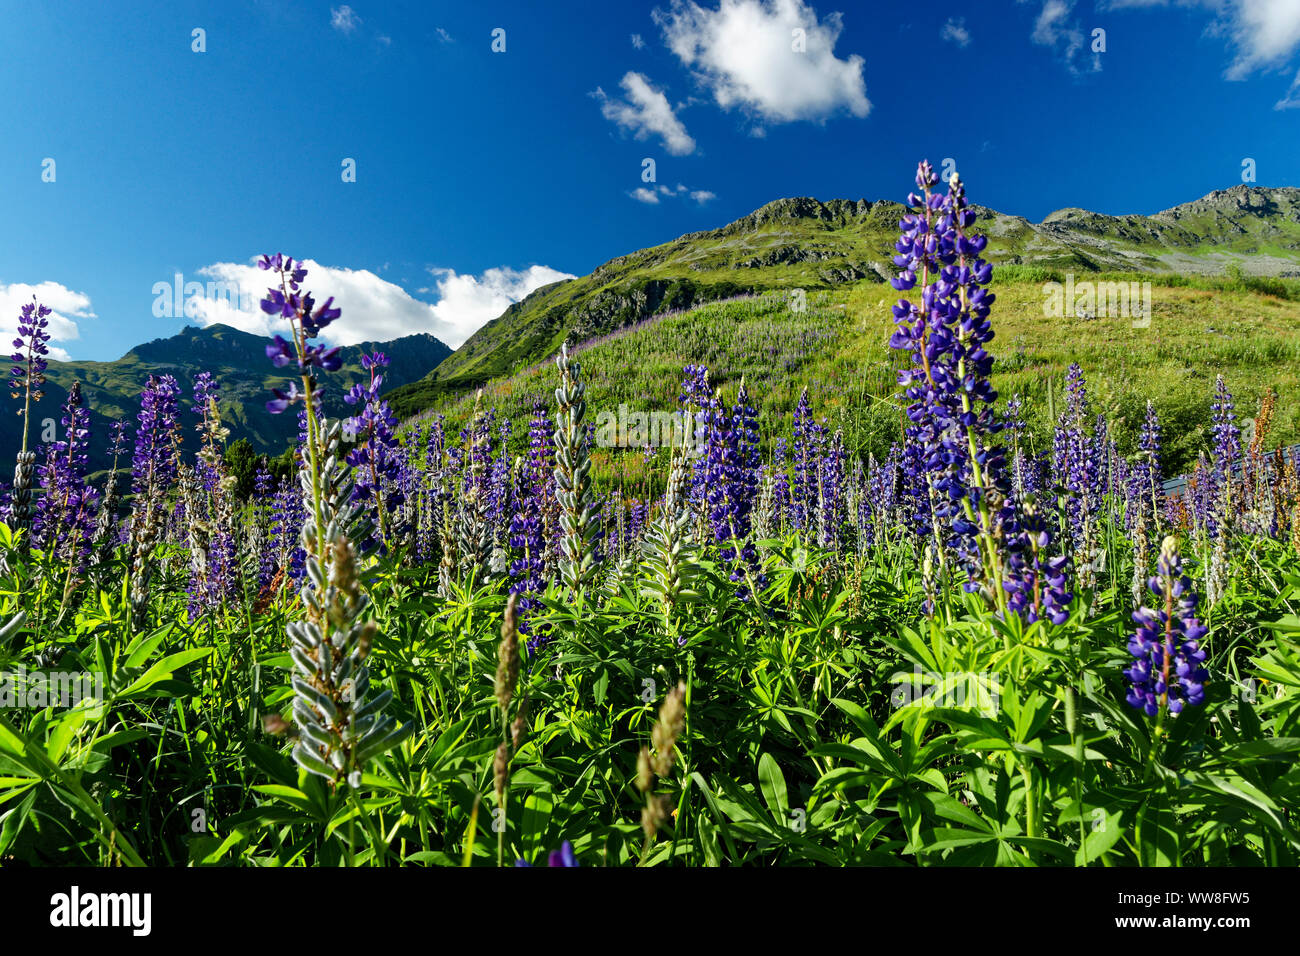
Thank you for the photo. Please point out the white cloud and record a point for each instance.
(445, 37)
(1266, 34)
(637, 42)
(651, 196)
(954, 31)
(375, 309)
(466, 302)
(646, 112)
(745, 53)
(344, 19)
(1291, 100)
(1053, 28)
(68, 306)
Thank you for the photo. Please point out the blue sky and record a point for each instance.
(481, 174)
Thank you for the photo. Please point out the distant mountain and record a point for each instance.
(805, 243)
(237, 360)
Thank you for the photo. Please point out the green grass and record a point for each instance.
(1200, 328)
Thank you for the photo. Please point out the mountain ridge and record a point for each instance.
(245, 377)
(803, 242)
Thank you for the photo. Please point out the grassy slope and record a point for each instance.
(838, 348)
(801, 243)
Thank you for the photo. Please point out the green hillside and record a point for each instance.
(838, 348)
(831, 246)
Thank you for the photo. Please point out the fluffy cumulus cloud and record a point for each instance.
(1266, 34)
(646, 112)
(774, 59)
(467, 303)
(69, 308)
(374, 309)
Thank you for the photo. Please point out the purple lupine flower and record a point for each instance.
(205, 398)
(27, 378)
(64, 524)
(288, 512)
(951, 410)
(830, 480)
(1227, 449)
(780, 483)
(155, 467)
(307, 320)
(884, 486)
(1144, 474)
(30, 350)
(375, 461)
(499, 494)
(807, 452)
(730, 470)
(1035, 582)
(157, 439)
(564, 857)
(262, 481)
(916, 487)
(638, 516)
(1072, 460)
(528, 537)
(1167, 643)
(434, 492)
(699, 404)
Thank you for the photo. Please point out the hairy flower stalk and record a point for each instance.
(27, 379)
(341, 726)
(104, 524)
(507, 677)
(656, 762)
(578, 525)
(669, 563)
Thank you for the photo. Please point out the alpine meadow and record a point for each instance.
(899, 532)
